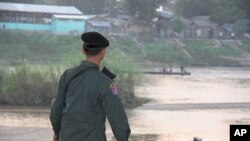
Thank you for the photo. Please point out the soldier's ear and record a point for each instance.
(83, 52)
(105, 50)
(102, 53)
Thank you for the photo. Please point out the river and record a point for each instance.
(202, 105)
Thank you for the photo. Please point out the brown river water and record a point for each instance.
(202, 105)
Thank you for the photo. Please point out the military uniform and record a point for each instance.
(82, 104)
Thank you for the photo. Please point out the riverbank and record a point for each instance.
(19, 47)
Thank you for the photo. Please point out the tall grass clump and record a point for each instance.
(125, 70)
(127, 77)
(28, 86)
(2, 74)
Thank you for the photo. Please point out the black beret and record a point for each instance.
(95, 40)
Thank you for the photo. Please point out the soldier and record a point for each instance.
(86, 96)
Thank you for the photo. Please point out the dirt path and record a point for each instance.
(25, 134)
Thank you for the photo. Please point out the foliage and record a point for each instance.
(21, 86)
(245, 5)
(242, 26)
(190, 8)
(126, 79)
(204, 53)
(246, 46)
(26, 86)
(33, 47)
(220, 11)
(164, 52)
(144, 9)
(29, 85)
(227, 11)
(177, 25)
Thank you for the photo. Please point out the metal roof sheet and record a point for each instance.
(202, 21)
(99, 23)
(52, 9)
(165, 14)
(83, 17)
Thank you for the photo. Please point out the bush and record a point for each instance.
(29, 85)
(127, 77)
(26, 86)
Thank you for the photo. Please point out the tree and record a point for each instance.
(242, 26)
(245, 4)
(177, 25)
(144, 9)
(227, 11)
(190, 8)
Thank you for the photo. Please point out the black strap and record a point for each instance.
(76, 75)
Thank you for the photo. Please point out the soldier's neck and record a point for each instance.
(94, 60)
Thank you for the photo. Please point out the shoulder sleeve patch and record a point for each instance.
(114, 89)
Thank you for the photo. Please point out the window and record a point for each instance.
(43, 19)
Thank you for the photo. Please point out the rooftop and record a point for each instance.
(165, 14)
(202, 21)
(99, 23)
(34, 8)
(83, 17)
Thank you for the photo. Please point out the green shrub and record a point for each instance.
(36, 85)
(28, 86)
(127, 76)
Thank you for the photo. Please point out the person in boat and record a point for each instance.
(170, 68)
(182, 69)
(164, 69)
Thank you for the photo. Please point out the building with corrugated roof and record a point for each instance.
(56, 19)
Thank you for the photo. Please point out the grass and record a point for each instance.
(24, 85)
(246, 46)
(164, 52)
(37, 85)
(204, 52)
(45, 48)
(36, 47)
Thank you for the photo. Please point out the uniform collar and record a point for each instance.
(88, 64)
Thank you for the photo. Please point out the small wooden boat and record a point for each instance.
(167, 73)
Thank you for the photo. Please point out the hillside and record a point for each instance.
(44, 48)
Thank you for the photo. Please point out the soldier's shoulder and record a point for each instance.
(104, 79)
(70, 71)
